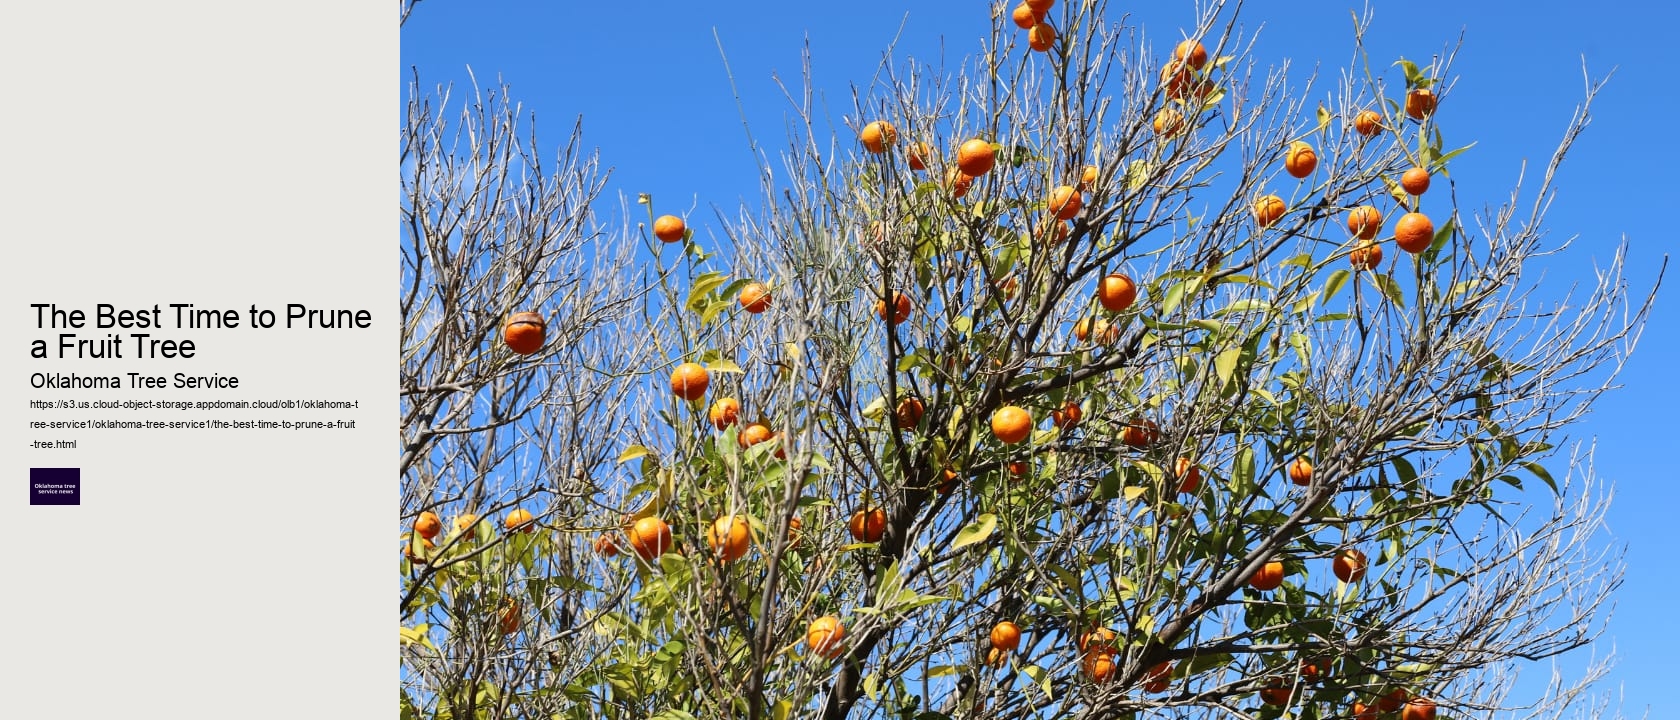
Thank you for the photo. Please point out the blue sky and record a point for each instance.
(648, 81)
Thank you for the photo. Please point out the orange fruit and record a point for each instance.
(1011, 424)
(1392, 701)
(1368, 255)
(606, 545)
(1140, 433)
(1300, 471)
(1169, 122)
(508, 621)
(1006, 636)
(1052, 231)
(1191, 53)
(1418, 708)
(1158, 677)
(426, 548)
(464, 522)
(1415, 181)
(1065, 202)
(1364, 222)
(519, 519)
(1349, 566)
(1040, 6)
(1300, 160)
(1116, 292)
(996, 657)
(1420, 104)
(1275, 693)
(824, 636)
(1019, 469)
(1099, 328)
(729, 537)
(689, 381)
(909, 412)
(950, 483)
(755, 298)
(975, 157)
(1268, 577)
(958, 182)
(1088, 178)
(1025, 17)
(725, 412)
(1008, 286)
(1100, 666)
(1098, 641)
(754, 434)
(1268, 209)
(523, 332)
(1041, 37)
(1368, 123)
(1361, 711)
(868, 525)
(901, 308)
(669, 228)
(650, 537)
(878, 136)
(919, 154)
(793, 534)
(1189, 476)
(1068, 416)
(428, 525)
(1176, 78)
(1414, 232)
(1309, 671)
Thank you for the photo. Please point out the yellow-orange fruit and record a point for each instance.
(1158, 677)
(1006, 636)
(1088, 178)
(669, 228)
(689, 381)
(1025, 17)
(519, 519)
(1364, 222)
(755, 298)
(1420, 103)
(508, 620)
(1418, 708)
(900, 309)
(975, 158)
(729, 537)
(1300, 471)
(1415, 181)
(1065, 202)
(868, 525)
(523, 332)
(825, 635)
(754, 434)
(1116, 292)
(428, 525)
(1268, 209)
(958, 182)
(908, 414)
(919, 154)
(1268, 577)
(1011, 424)
(426, 547)
(1189, 476)
(724, 412)
(1414, 232)
(1191, 53)
(1368, 123)
(1169, 122)
(1368, 255)
(1068, 416)
(1349, 565)
(1275, 693)
(650, 537)
(878, 136)
(1300, 160)
(1041, 37)
(1099, 666)
(1140, 433)
(606, 545)
(464, 522)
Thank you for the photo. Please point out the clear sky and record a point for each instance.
(649, 83)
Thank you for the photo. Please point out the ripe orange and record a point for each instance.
(650, 537)
(508, 621)
(1268, 577)
(1300, 471)
(669, 228)
(1169, 122)
(1300, 160)
(1100, 666)
(950, 483)
(1364, 222)
(1041, 37)
(1414, 232)
(1088, 178)
(1368, 123)
(1099, 640)
(755, 298)
(1361, 711)
(519, 519)
(1275, 693)
(957, 182)
(1065, 202)
(1189, 476)
(868, 525)
(1006, 636)
(1309, 671)
(754, 434)
(1116, 292)
(1098, 328)
(909, 412)
(729, 537)
(1418, 708)
(426, 548)
(793, 533)
(725, 412)
(1349, 566)
(1025, 17)
(878, 136)
(975, 157)
(464, 523)
(428, 525)
(1019, 468)
(1140, 433)
(1192, 53)
(1176, 77)
(1041, 6)
(824, 636)
(1052, 231)
(1420, 104)
(523, 332)
(1268, 209)
(919, 153)
(1392, 700)
(1068, 416)
(689, 381)
(1011, 424)
(1368, 255)
(781, 444)
(606, 545)
(1415, 181)
(1158, 677)
(901, 308)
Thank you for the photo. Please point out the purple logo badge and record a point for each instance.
(55, 486)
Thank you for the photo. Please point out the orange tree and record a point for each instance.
(1100, 378)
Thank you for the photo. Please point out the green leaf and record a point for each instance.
(1442, 237)
(1041, 677)
(1225, 365)
(941, 671)
(723, 366)
(976, 531)
(1540, 471)
(1389, 288)
(632, 452)
(1334, 283)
